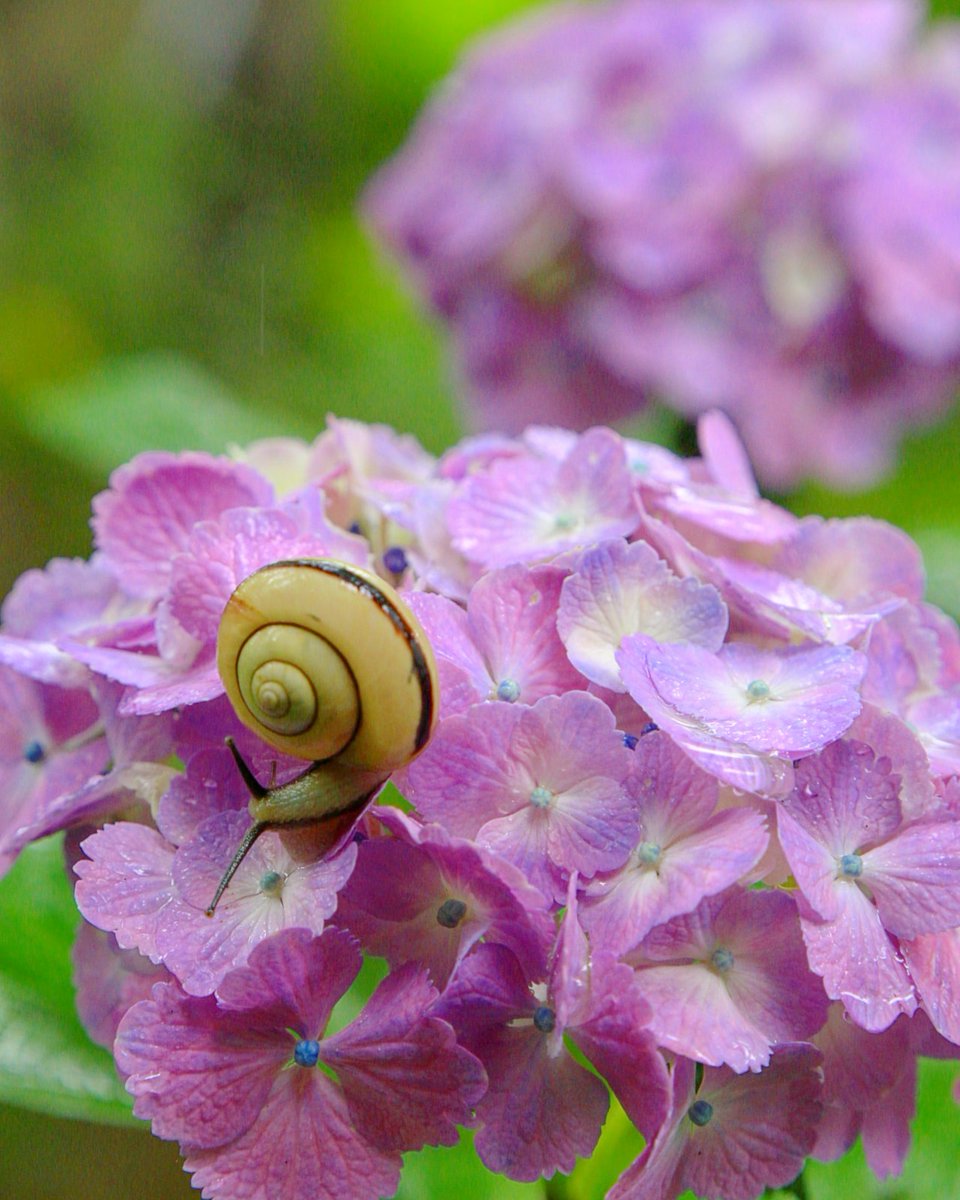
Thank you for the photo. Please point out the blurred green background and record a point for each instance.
(181, 265)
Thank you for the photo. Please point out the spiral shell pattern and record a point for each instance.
(324, 660)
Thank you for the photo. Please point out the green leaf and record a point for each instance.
(158, 401)
(456, 1171)
(47, 1062)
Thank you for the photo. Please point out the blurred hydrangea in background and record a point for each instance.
(746, 205)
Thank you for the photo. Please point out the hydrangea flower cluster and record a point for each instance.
(691, 808)
(742, 205)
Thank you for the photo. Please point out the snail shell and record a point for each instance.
(324, 661)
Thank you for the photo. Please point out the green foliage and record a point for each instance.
(47, 1063)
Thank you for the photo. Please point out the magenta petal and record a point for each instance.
(615, 1037)
(541, 1112)
(200, 1075)
(152, 505)
(406, 1081)
(324, 1155)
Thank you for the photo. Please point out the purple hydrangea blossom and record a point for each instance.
(543, 786)
(729, 980)
(235, 1077)
(733, 1135)
(719, 802)
(425, 896)
(741, 205)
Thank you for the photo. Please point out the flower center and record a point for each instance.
(450, 913)
(721, 960)
(851, 866)
(544, 1019)
(540, 797)
(271, 883)
(700, 1112)
(758, 690)
(395, 560)
(649, 854)
(564, 522)
(509, 690)
(33, 752)
(306, 1052)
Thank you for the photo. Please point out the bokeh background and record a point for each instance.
(181, 266)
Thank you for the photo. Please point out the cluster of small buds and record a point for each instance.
(691, 806)
(742, 205)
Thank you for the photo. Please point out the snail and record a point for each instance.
(324, 661)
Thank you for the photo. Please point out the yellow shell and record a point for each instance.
(324, 660)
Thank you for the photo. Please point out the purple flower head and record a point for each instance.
(620, 589)
(733, 1135)
(425, 896)
(154, 896)
(544, 787)
(693, 786)
(742, 206)
(505, 646)
(729, 980)
(530, 509)
(236, 1076)
(745, 712)
(686, 850)
(542, 1108)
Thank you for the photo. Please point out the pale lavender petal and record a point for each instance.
(152, 505)
(513, 619)
(933, 960)
(794, 701)
(620, 910)
(858, 962)
(530, 510)
(125, 882)
(619, 589)
(915, 878)
(463, 672)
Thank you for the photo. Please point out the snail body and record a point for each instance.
(324, 661)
